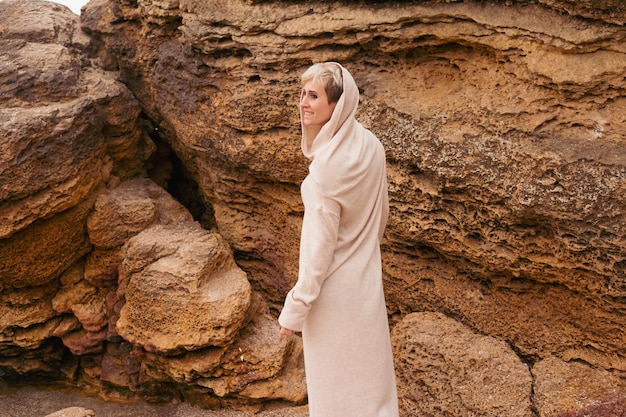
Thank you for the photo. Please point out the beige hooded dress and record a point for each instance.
(338, 301)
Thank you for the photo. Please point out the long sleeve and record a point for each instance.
(385, 201)
(320, 228)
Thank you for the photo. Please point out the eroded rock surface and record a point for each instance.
(502, 124)
(68, 129)
(504, 131)
(182, 290)
(444, 368)
(562, 387)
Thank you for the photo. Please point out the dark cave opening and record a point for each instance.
(168, 171)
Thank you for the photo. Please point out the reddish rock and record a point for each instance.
(502, 123)
(83, 342)
(573, 389)
(609, 407)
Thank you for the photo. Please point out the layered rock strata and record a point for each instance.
(107, 281)
(504, 131)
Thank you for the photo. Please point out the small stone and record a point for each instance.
(73, 412)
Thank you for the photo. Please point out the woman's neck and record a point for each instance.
(311, 133)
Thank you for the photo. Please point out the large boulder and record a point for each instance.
(446, 369)
(182, 288)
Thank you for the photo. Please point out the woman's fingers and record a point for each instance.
(284, 332)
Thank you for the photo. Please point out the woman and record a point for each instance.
(338, 302)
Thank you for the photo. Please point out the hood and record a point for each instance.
(344, 112)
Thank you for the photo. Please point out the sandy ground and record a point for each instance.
(33, 402)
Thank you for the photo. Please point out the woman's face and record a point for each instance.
(314, 105)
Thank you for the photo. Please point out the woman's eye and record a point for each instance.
(313, 96)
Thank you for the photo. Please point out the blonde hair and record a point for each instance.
(329, 75)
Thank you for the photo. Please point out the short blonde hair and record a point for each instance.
(329, 75)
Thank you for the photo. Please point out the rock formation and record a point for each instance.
(446, 369)
(150, 208)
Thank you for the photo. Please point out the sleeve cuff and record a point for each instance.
(293, 314)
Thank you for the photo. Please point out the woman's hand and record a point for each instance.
(284, 332)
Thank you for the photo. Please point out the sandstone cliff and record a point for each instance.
(505, 254)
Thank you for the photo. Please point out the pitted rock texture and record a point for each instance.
(182, 289)
(128, 209)
(503, 126)
(445, 369)
(67, 129)
(84, 294)
(570, 387)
